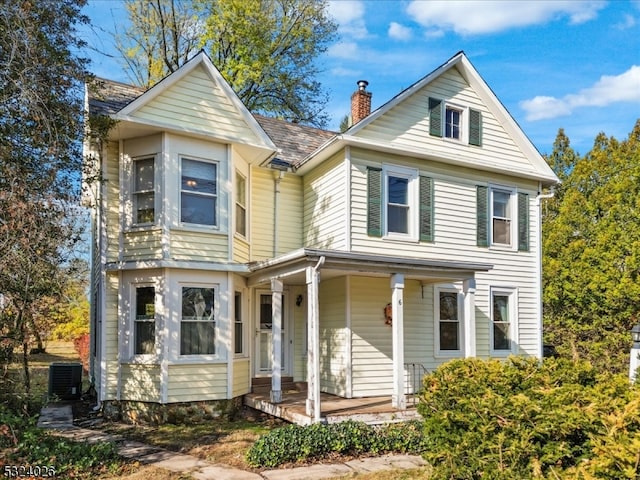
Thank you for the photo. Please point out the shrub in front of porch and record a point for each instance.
(295, 443)
(522, 419)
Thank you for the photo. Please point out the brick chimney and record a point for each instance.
(360, 102)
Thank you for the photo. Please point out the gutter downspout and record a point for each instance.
(538, 203)
(276, 206)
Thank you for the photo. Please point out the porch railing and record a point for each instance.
(413, 381)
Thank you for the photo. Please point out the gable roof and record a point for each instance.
(536, 167)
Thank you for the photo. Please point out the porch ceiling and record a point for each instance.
(291, 267)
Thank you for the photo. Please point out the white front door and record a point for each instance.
(264, 344)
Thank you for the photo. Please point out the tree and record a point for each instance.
(266, 49)
(591, 252)
(41, 106)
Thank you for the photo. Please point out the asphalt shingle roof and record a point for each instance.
(294, 141)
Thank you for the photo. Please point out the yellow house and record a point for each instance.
(235, 253)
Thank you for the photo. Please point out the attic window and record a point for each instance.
(459, 123)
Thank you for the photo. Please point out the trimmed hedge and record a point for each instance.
(522, 419)
(295, 443)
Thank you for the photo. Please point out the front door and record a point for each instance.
(264, 342)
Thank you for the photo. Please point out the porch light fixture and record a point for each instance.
(635, 335)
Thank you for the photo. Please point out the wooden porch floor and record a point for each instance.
(371, 410)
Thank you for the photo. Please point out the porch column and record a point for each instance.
(313, 345)
(469, 290)
(398, 399)
(276, 335)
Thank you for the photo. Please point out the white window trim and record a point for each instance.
(513, 211)
(412, 175)
(244, 320)
(464, 127)
(512, 293)
(198, 358)
(131, 356)
(245, 205)
(217, 196)
(128, 192)
(436, 321)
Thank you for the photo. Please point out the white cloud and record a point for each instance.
(399, 32)
(628, 21)
(349, 14)
(345, 50)
(609, 89)
(481, 17)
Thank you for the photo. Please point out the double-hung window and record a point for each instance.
(502, 218)
(400, 204)
(197, 325)
(144, 329)
(199, 192)
(448, 322)
(143, 191)
(241, 204)
(455, 122)
(238, 333)
(503, 320)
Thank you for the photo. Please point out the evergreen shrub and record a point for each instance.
(524, 419)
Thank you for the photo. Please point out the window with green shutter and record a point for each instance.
(475, 127)
(523, 222)
(435, 117)
(426, 209)
(374, 202)
(482, 216)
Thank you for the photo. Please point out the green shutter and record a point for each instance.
(523, 222)
(435, 117)
(426, 209)
(374, 201)
(475, 128)
(482, 216)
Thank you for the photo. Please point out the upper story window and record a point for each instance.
(241, 204)
(448, 322)
(400, 204)
(197, 325)
(503, 320)
(199, 192)
(144, 330)
(502, 218)
(144, 191)
(455, 122)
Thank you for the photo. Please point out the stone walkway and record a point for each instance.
(60, 419)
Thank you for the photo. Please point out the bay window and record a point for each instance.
(143, 191)
(197, 322)
(144, 329)
(199, 192)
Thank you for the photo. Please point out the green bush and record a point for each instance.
(296, 443)
(522, 419)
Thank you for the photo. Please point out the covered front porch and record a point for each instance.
(355, 362)
(334, 409)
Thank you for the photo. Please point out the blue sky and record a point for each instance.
(553, 64)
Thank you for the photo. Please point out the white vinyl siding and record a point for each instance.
(407, 124)
(140, 382)
(262, 218)
(175, 107)
(333, 336)
(455, 237)
(198, 246)
(241, 378)
(325, 207)
(111, 188)
(194, 383)
(142, 244)
(110, 352)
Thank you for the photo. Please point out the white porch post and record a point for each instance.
(469, 290)
(313, 345)
(276, 332)
(398, 399)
